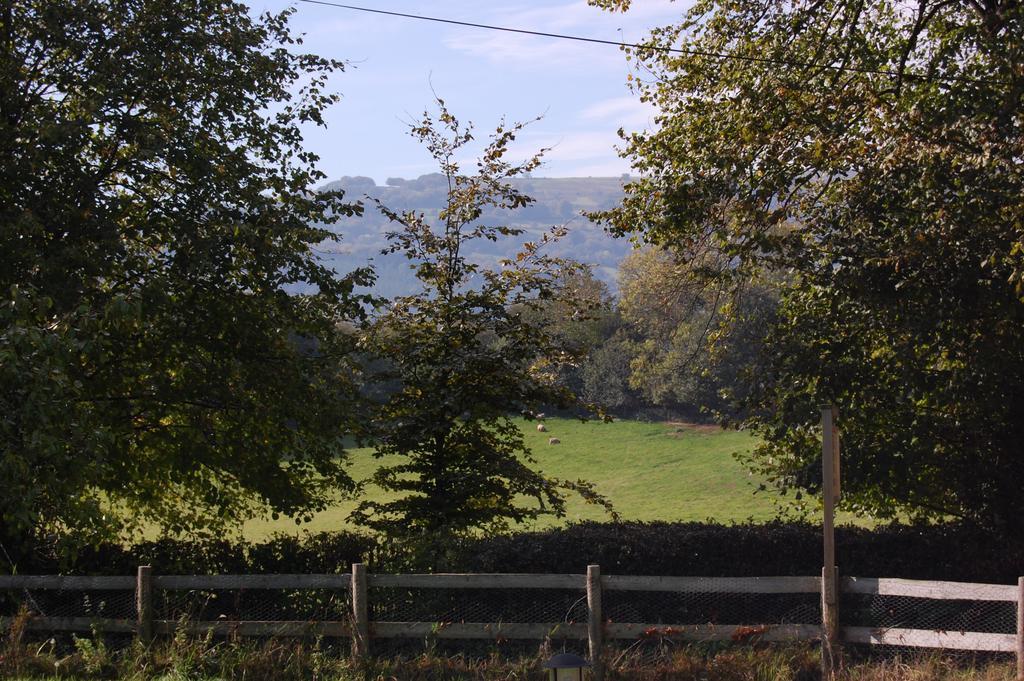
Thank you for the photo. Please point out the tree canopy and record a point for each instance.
(693, 347)
(870, 155)
(468, 358)
(156, 207)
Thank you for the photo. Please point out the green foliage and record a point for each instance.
(651, 471)
(691, 346)
(467, 358)
(918, 551)
(694, 548)
(321, 552)
(580, 316)
(94, 656)
(192, 658)
(155, 213)
(605, 374)
(579, 309)
(870, 154)
(281, 660)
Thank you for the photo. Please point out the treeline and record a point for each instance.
(664, 347)
(883, 196)
(175, 353)
(918, 551)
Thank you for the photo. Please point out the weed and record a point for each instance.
(188, 657)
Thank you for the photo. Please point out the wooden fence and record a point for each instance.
(596, 630)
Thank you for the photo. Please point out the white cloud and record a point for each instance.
(518, 49)
(579, 14)
(579, 87)
(608, 168)
(574, 18)
(581, 146)
(550, 19)
(330, 24)
(627, 112)
(583, 149)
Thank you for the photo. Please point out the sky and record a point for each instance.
(395, 65)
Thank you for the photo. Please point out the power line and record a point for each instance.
(661, 48)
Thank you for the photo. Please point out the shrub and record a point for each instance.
(775, 548)
(697, 549)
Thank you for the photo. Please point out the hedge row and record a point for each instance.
(951, 552)
(326, 552)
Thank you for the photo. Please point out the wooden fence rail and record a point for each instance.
(959, 591)
(595, 629)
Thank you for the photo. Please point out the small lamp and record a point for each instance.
(565, 667)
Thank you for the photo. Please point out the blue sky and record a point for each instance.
(579, 88)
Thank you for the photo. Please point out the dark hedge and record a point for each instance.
(325, 552)
(951, 552)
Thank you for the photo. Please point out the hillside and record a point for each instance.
(559, 201)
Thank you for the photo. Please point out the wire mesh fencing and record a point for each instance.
(903, 612)
(57, 613)
(261, 605)
(70, 603)
(697, 607)
(964, 622)
(516, 615)
(651, 618)
(448, 605)
(478, 621)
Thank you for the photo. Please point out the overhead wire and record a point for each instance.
(662, 48)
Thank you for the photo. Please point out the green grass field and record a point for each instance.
(650, 471)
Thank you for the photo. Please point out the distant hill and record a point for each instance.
(558, 201)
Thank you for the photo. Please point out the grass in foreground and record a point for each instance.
(650, 471)
(203, 659)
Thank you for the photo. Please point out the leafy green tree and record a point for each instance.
(670, 318)
(584, 316)
(870, 152)
(578, 311)
(155, 221)
(579, 314)
(469, 359)
(605, 377)
(692, 347)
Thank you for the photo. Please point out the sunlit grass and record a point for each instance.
(650, 471)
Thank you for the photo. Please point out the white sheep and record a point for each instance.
(554, 441)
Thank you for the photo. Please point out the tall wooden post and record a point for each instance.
(1020, 629)
(829, 571)
(144, 603)
(360, 613)
(595, 622)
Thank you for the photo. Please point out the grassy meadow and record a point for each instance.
(650, 471)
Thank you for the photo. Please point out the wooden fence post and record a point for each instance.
(360, 612)
(595, 622)
(829, 571)
(829, 623)
(1020, 629)
(144, 603)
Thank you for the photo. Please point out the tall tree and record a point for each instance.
(469, 358)
(155, 219)
(872, 152)
(692, 347)
(579, 314)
